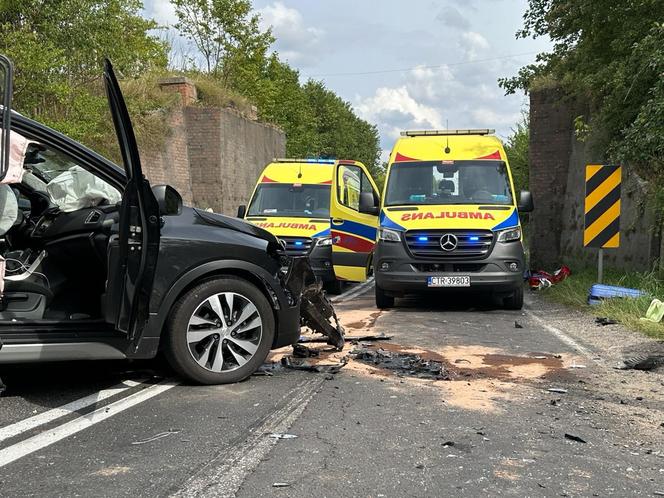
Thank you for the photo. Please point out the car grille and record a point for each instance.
(297, 245)
(426, 244)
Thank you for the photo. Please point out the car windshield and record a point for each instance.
(448, 182)
(292, 200)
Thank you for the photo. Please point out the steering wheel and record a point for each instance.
(482, 195)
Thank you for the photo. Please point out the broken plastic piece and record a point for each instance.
(572, 437)
(288, 362)
(655, 311)
(558, 390)
(282, 436)
(603, 321)
(300, 351)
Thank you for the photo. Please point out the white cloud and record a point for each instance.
(394, 110)
(161, 11)
(295, 42)
(473, 43)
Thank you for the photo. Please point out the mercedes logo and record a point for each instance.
(448, 242)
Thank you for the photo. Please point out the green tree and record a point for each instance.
(225, 33)
(58, 47)
(610, 55)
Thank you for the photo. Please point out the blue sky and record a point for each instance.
(404, 64)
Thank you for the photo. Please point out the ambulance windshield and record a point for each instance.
(448, 182)
(288, 200)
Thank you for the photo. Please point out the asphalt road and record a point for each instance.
(489, 426)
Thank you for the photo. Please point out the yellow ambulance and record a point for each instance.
(324, 208)
(449, 218)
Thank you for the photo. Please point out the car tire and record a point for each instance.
(515, 300)
(333, 287)
(383, 301)
(206, 350)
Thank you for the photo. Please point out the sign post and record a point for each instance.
(602, 210)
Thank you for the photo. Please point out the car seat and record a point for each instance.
(24, 290)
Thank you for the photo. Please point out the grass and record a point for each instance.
(574, 292)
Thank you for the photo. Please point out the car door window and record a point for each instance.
(349, 184)
(70, 186)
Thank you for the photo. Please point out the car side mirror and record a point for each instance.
(169, 200)
(526, 204)
(241, 211)
(368, 204)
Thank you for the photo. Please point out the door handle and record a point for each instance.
(337, 221)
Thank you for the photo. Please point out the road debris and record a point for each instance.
(348, 338)
(329, 368)
(280, 485)
(277, 435)
(404, 363)
(643, 362)
(572, 437)
(600, 292)
(300, 351)
(604, 321)
(558, 390)
(316, 311)
(161, 435)
(655, 312)
(517, 325)
(541, 279)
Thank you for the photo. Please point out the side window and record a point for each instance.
(69, 186)
(349, 184)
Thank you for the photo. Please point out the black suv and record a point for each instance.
(99, 265)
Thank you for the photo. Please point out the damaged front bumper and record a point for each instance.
(316, 311)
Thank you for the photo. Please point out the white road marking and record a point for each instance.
(27, 424)
(564, 338)
(47, 438)
(353, 292)
(223, 476)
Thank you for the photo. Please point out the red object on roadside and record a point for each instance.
(542, 279)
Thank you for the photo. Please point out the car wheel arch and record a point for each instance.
(207, 272)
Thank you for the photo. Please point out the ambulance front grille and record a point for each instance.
(296, 246)
(470, 244)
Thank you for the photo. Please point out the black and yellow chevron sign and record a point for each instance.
(602, 206)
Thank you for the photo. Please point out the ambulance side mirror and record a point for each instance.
(241, 211)
(526, 204)
(368, 204)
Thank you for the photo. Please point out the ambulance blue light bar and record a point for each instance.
(306, 161)
(423, 133)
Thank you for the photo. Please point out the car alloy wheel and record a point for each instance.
(224, 332)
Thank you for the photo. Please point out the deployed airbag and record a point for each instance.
(76, 189)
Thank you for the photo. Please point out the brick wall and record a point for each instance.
(557, 180)
(550, 148)
(212, 156)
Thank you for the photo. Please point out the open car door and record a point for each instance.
(6, 82)
(354, 212)
(133, 255)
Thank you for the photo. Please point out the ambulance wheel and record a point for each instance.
(383, 301)
(515, 300)
(333, 287)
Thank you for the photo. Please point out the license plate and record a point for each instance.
(461, 281)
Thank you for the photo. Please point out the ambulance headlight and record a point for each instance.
(509, 235)
(389, 235)
(327, 241)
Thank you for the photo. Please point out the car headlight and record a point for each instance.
(327, 240)
(389, 235)
(509, 235)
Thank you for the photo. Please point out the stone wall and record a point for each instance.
(212, 156)
(557, 181)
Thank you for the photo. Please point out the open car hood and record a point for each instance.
(236, 224)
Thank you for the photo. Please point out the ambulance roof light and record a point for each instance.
(309, 161)
(422, 133)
